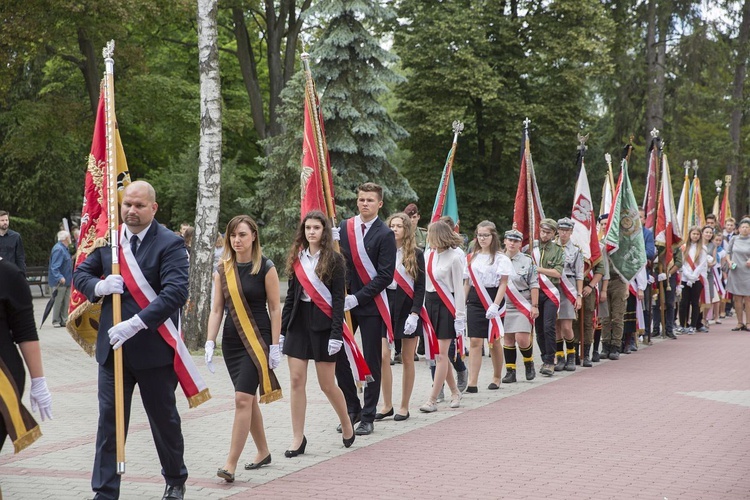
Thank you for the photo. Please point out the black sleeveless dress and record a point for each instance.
(242, 370)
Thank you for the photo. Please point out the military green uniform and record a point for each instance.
(589, 308)
(550, 256)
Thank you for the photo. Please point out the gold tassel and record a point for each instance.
(272, 396)
(24, 441)
(198, 399)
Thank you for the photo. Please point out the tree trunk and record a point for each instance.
(655, 60)
(91, 74)
(275, 28)
(209, 178)
(249, 71)
(740, 72)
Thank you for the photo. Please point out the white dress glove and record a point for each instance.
(493, 311)
(274, 358)
(121, 332)
(334, 346)
(411, 324)
(281, 344)
(41, 398)
(650, 280)
(662, 277)
(209, 355)
(336, 233)
(350, 302)
(109, 285)
(460, 326)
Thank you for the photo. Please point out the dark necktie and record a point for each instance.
(134, 244)
(364, 228)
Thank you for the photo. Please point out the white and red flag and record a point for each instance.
(527, 209)
(584, 228)
(668, 233)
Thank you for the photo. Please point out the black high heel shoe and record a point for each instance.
(349, 441)
(298, 451)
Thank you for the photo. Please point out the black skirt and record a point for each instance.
(302, 342)
(476, 321)
(397, 299)
(440, 317)
(242, 369)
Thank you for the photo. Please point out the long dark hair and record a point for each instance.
(328, 257)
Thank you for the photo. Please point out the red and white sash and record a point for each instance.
(446, 297)
(720, 288)
(495, 329)
(569, 289)
(546, 285)
(366, 270)
(406, 282)
(705, 293)
(523, 305)
(192, 383)
(640, 322)
(321, 297)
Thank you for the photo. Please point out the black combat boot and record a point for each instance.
(570, 363)
(586, 359)
(530, 371)
(614, 353)
(510, 376)
(605, 351)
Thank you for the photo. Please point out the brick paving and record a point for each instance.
(670, 421)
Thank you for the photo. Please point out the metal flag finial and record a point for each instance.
(458, 127)
(608, 158)
(109, 50)
(727, 180)
(582, 141)
(654, 133)
(695, 166)
(526, 123)
(718, 184)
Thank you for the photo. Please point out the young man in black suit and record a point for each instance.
(363, 297)
(147, 358)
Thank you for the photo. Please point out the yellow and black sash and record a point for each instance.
(20, 425)
(270, 390)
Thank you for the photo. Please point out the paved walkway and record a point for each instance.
(670, 421)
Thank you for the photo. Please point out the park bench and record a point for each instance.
(37, 275)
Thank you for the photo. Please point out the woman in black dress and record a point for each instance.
(259, 288)
(312, 323)
(404, 314)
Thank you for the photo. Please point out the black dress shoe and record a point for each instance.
(174, 492)
(225, 475)
(400, 418)
(471, 389)
(364, 429)
(349, 441)
(298, 451)
(260, 464)
(381, 416)
(354, 417)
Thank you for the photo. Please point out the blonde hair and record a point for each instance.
(408, 244)
(230, 255)
(441, 236)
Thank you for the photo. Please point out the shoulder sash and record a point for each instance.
(406, 283)
(192, 383)
(21, 427)
(495, 329)
(549, 288)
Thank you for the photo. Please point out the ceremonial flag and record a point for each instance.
(650, 196)
(668, 234)
(607, 190)
(446, 202)
(584, 228)
(697, 214)
(83, 316)
(315, 159)
(683, 207)
(527, 209)
(717, 202)
(624, 238)
(725, 211)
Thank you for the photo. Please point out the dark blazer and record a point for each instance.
(380, 245)
(319, 321)
(403, 305)
(164, 262)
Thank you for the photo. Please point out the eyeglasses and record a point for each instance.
(484, 236)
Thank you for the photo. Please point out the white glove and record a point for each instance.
(281, 344)
(662, 277)
(460, 326)
(274, 358)
(411, 324)
(679, 289)
(336, 233)
(209, 355)
(109, 285)
(350, 302)
(41, 398)
(121, 332)
(334, 346)
(651, 279)
(493, 311)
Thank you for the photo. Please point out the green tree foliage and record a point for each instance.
(490, 64)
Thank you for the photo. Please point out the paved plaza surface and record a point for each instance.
(671, 421)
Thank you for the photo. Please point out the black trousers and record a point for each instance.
(371, 328)
(669, 306)
(157, 387)
(545, 328)
(690, 305)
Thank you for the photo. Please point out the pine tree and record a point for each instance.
(353, 72)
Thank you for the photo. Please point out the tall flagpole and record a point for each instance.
(582, 148)
(529, 190)
(114, 223)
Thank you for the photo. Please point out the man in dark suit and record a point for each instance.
(380, 246)
(147, 358)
